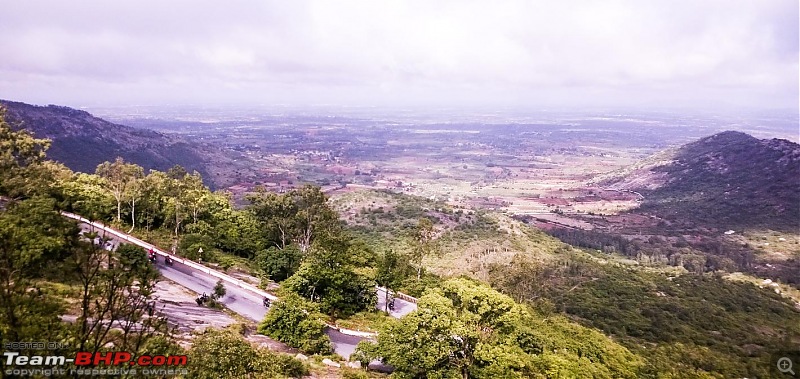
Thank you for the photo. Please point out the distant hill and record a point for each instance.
(82, 141)
(727, 180)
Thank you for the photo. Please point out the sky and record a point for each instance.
(637, 54)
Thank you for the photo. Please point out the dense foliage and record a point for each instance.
(468, 330)
(225, 354)
(295, 321)
(724, 328)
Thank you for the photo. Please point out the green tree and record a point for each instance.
(279, 264)
(276, 214)
(423, 243)
(468, 330)
(116, 290)
(119, 176)
(87, 196)
(219, 290)
(392, 269)
(295, 321)
(329, 276)
(21, 158)
(297, 216)
(32, 235)
(314, 215)
(134, 191)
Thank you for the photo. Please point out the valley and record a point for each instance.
(622, 228)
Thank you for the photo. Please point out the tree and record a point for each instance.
(21, 157)
(116, 295)
(468, 330)
(32, 235)
(134, 191)
(392, 270)
(226, 354)
(314, 215)
(219, 290)
(154, 197)
(297, 216)
(119, 176)
(276, 214)
(329, 276)
(279, 264)
(423, 243)
(87, 196)
(295, 321)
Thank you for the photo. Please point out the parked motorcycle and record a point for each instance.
(168, 261)
(267, 302)
(201, 299)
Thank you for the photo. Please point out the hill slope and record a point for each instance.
(82, 141)
(727, 180)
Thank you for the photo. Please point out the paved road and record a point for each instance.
(248, 304)
(401, 307)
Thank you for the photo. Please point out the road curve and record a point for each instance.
(242, 298)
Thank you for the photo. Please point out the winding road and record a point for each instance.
(240, 297)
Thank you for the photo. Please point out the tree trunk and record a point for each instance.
(133, 216)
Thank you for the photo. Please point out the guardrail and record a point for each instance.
(187, 262)
(400, 295)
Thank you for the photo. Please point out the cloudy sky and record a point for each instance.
(660, 53)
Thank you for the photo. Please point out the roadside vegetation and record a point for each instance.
(552, 311)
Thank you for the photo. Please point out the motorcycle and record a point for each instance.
(152, 256)
(168, 261)
(201, 299)
(267, 302)
(391, 304)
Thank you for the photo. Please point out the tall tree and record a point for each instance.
(116, 294)
(118, 176)
(20, 155)
(32, 234)
(134, 191)
(276, 213)
(423, 243)
(392, 270)
(314, 215)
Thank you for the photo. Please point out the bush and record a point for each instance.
(294, 321)
(354, 374)
(277, 364)
(225, 353)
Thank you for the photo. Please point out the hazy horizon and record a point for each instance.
(714, 56)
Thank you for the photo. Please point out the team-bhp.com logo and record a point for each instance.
(85, 363)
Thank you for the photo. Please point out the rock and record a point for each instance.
(331, 363)
(301, 357)
(354, 364)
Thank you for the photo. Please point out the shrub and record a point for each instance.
(294, 321)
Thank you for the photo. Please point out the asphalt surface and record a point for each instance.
(249, 305)
(401, 307)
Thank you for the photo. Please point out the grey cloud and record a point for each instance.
(354, 52)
